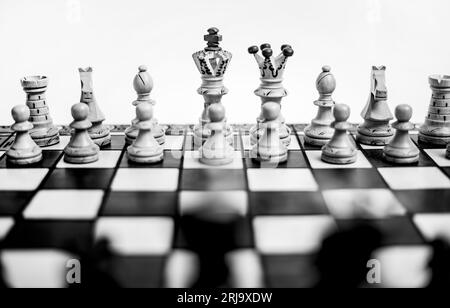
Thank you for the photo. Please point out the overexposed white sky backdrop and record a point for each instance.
(55, 37)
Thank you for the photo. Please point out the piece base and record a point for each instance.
(432, 140)
(45, 137)
(153, 159)
(216, 161)
(24, 161)
(401, 160)
(268, 159)
(338, 160)
(373, 140)
(257, 134)
(102, 141)
(80, 159)
(316, 141)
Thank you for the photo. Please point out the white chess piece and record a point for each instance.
(340, 149)
(145, 149)
(24, 150)
(270, 148)
(216, 150)
(81, 149)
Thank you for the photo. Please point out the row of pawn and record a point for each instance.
(81, 149)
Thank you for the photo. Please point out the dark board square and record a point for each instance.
(425, 201)
(394, 230)
(212, 179)
(49, 159)
(287, 203)
(85, 178)
(138, 271)
(296, 159)
(289, 271)
(447, 171)
(375, 157)
(117, 143)
(13, 202)
(242, 236)
(172, 159)
(49, 234)
(140, 204)
(348, 178)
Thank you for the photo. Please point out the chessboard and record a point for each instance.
(286, 210)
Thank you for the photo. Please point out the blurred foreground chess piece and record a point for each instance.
(440, 264)
(376, 114)
(98, 132)
(269, 147)
(436, 128)
(216, 150)
(211, 237)
(212, 63)
(145, 149)
(340, 149)
(271, 88)
(44, 133)
(143, 85)
(24, 150)
(401, 149)
(81, 149)
(342, 259)
(319, 132)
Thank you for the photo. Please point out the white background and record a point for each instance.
(55, 37)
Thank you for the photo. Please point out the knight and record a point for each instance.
(271, 88)
(212, 63)
(376, 129)
(99, 133)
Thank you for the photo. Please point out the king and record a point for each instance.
(271, 88)
(212, 63)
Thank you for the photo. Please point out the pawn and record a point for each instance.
(24, 151)
(216, 150)
(145, 149)
(340, 149)
(81, 149)
(269, 148)
(401, 149)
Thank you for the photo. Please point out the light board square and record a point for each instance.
(300, 179)
(414, 178)
(152, 179)
(21, 179)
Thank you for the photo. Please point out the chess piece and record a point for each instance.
(81, 149)
(340, 149)
(436, 128)
(24, 150)
(270, 148)
(401, 149)
(145, 149)
(99, 133)
(143, 85)
(376, 114)
(44, 133)
(212, 63)
(319, 132)
(216, 150)
(271, 87)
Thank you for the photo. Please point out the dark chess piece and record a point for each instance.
(210, 237)
(342, 259)
(96, 265)
(24, 150)
(81, 149)
(440, 264)
(401, 149)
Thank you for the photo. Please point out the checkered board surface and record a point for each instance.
(286, 211)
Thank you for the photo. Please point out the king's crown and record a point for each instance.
(212, 61)
(271, 67)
